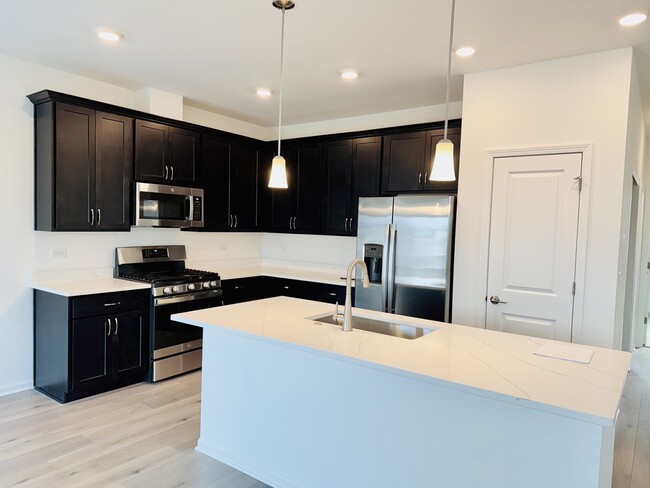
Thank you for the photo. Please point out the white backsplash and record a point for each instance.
(90, 255)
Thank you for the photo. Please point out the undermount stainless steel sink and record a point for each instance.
(403, 331)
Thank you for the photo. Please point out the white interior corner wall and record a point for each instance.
(569, 101)
(637, 160)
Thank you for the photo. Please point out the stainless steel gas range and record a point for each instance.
(175, 348)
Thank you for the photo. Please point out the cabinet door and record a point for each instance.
(114, 156)
(75, 167)
(433, 136)
(183, 159)
(366, 173)
(130, 343)
(243, 187)
(90, 352)
(151, 141)
(403, 165)
(337, 186)
(216, 170)
(308, 189)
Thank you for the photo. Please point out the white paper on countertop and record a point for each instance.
(567, 352)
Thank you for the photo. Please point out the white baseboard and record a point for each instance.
(258, 472)
(15, 387)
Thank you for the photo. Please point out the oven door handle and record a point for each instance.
(187, 297)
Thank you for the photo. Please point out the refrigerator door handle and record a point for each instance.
(384, 270)
(390, 278)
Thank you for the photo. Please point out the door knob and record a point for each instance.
(496, 300)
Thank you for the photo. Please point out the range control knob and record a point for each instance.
(167, 290)
(206, 284)
(176, 288)
(213, 284)
(191, 286)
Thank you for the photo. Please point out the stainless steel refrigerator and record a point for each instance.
(405, 242)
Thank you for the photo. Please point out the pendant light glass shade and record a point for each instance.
(442, 166)
(443, 162)
(278, 177)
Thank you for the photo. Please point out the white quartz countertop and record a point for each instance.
(89, 287)
(331, 278)
(492, 364)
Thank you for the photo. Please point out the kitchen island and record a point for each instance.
(295, 402)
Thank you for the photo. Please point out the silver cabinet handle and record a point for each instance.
(345, 226)
(495, 300)
(99, 216)
(172, 176)
(235, 221)
(419, 178)
(166, 172)
(229, 220)
(112, 304)
(350, 225)
(290, 220)
(92, 216)
(425, 177)
(294, 223)
(109, 327)
(117, 326)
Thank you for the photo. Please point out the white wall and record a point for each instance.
(576, 100)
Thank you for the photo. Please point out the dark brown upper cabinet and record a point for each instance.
(297, 208)
(83, 167)
(351, 169)
(407, 161)
(167, 154)
(230, 174)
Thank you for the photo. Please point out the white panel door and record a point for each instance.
(533, 233)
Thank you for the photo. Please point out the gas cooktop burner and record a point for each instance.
(172, 277)
(164, 267)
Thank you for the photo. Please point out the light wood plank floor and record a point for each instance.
(144, 436)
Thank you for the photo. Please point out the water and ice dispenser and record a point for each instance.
(373, 255)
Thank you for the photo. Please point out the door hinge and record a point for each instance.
(645, 320)
(573, 289)
(579, 180)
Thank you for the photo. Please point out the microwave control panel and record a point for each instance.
(198, 204)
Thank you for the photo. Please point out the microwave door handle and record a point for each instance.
(189, 210)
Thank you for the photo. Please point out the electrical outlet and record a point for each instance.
(59, 253)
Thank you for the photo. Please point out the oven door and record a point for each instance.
(169, 337)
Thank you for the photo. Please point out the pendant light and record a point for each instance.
(278, 177)
(442, 168)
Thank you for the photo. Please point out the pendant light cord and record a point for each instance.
(281, 81)
(451, 41)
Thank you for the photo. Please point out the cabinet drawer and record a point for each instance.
(110, 303)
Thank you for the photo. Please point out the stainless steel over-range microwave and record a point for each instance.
(167, 206)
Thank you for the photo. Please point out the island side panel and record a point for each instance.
(293, 419)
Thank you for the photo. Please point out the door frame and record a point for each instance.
(586, 150)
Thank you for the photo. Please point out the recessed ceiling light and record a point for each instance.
(110, 36)
(349, 74)
(263, 92)
(465, 51)
(632, 19)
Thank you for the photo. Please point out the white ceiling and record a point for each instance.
(216, 52)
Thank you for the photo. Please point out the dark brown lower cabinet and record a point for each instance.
(89, 344)
(257, 287)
